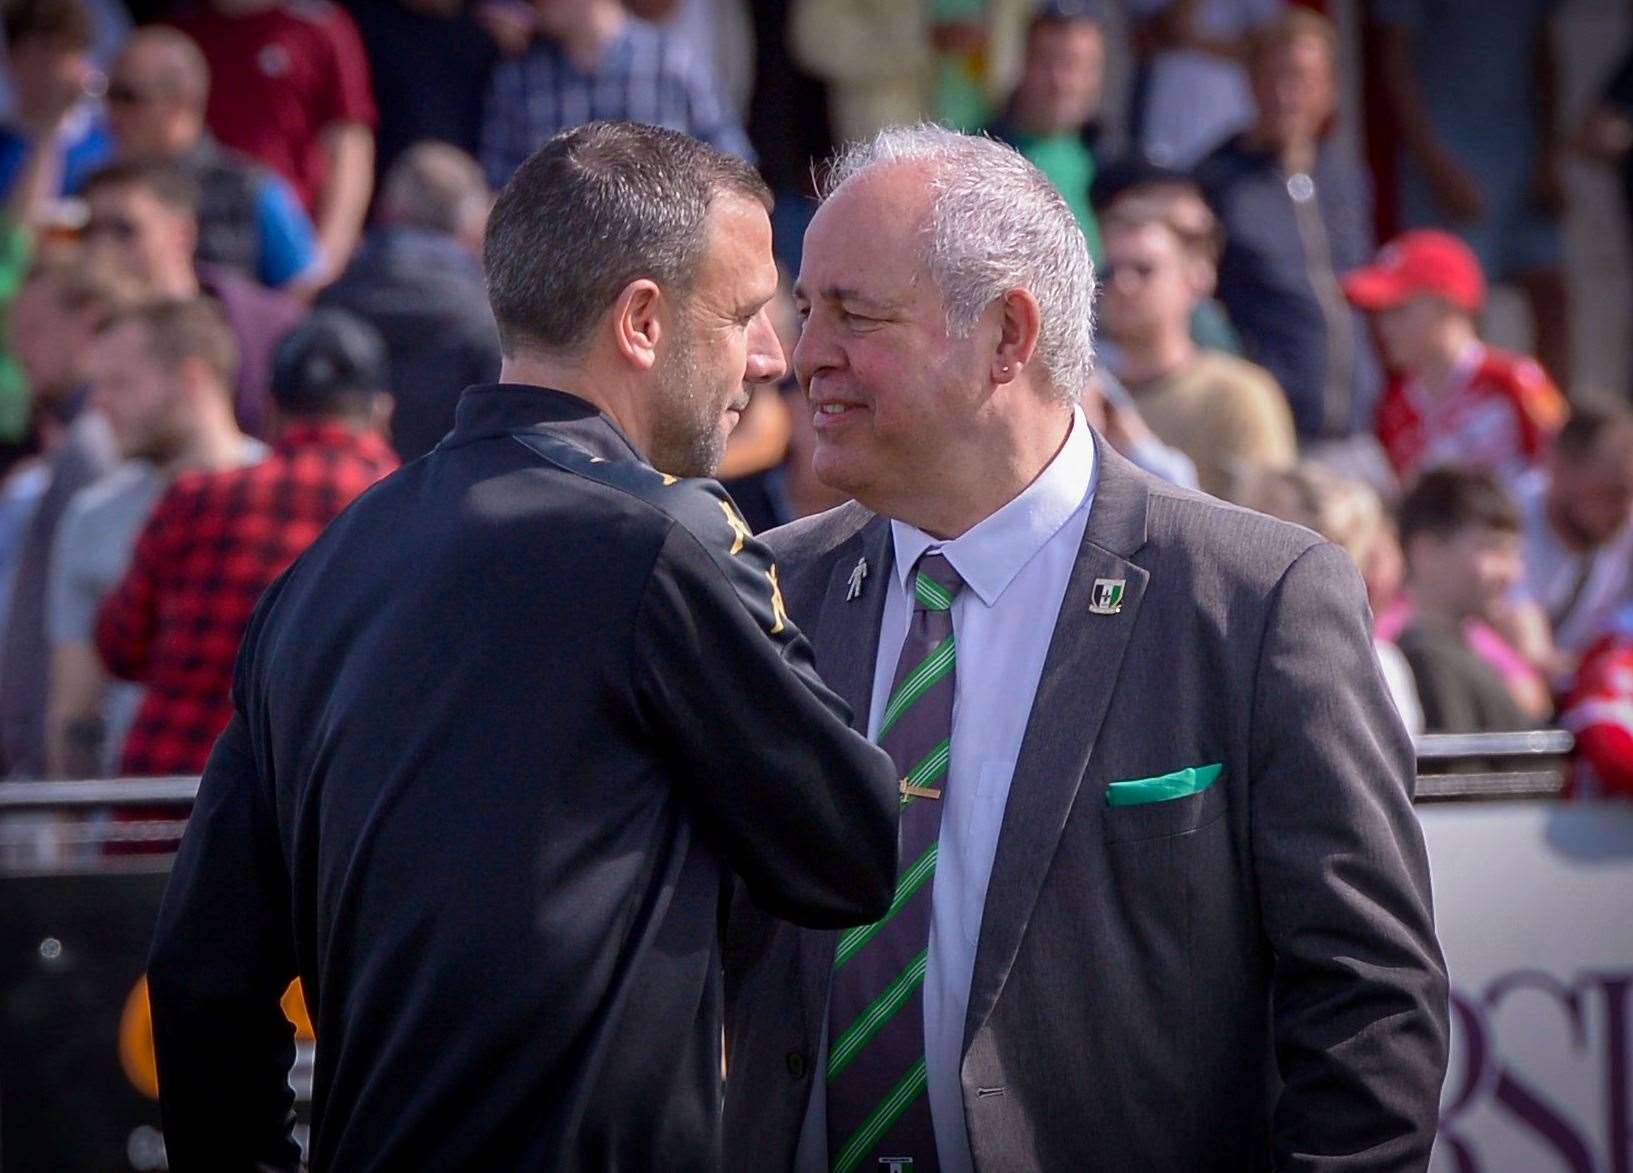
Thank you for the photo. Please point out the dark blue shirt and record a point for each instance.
(1287, 241)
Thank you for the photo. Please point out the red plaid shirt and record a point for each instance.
(213, 544)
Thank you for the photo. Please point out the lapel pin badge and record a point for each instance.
(858, 573)
(1107, 596)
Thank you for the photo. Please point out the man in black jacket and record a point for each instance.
(505, 731)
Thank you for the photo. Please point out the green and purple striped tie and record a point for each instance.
(878, 1110)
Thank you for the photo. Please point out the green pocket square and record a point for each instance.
(1164, 787)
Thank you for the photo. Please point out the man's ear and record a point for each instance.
(637, 325)
(1020, 322)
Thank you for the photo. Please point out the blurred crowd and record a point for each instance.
(240, 280)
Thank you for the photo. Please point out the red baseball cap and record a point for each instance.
(1421, 262)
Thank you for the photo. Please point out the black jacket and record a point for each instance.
(500, 734)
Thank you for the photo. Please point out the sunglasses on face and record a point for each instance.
(122, 93)
(1139, 270)
(116, 228)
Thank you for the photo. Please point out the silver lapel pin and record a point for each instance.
(858, 573)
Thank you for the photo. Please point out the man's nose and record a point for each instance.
(765, 358)
(813, 352)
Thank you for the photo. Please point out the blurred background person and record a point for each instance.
(216, 540)
(1461, 535)
(1577, 514)
(1191, 89)
(57, 316)
(1053, 116)
(143, 221)
(1598, 711)
(1450, 398)
(418, 281)
(161, 374)
(294, 94)
(429, 64)
(1224, 413)
(1111, 411)
(1350, 514)
(1474, 96)
(1297, 212)
(54, 86)
(249, 217)
(719, 34)
(1607, 130)
(1132, 178)
(592, 61)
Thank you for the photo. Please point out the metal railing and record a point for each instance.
(1529, 764)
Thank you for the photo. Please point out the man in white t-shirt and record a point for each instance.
(1578, 527)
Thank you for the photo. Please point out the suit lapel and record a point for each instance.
(847, 631)
(846, 639)
(1074, 691)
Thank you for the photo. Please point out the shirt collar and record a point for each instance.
(989, 555)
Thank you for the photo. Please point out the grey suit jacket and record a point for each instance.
(1244, 978)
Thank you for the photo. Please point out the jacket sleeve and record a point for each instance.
(802, 807)
(222, 957)
(1359, 989)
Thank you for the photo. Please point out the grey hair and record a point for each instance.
(996, 223)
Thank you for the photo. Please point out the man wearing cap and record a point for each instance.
(1450, 398)
(216, 539)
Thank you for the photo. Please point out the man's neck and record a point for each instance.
(180, 283)
(612, 397)
(1435, 611)
(216, 444)
(1142, 360)
(1436, 375)
(980, 479)
(1295, 156)
(587, 41)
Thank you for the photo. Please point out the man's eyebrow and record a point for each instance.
(845, 293)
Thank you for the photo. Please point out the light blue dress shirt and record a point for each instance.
(1015, 565)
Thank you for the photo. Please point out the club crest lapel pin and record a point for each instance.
(1107, 596)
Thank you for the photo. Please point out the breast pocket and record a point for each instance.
(1174, 816)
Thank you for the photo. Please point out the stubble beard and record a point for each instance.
(687, 440)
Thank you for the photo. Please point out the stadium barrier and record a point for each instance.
(1533, 898)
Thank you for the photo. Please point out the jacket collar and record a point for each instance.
(491, 410)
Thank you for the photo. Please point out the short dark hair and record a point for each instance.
(178, 330)
(1294, 25)
(1141, 207)
(64, 22)
(1446, 501)
(169, 183)
(593, 209)
(1055, 14)
(332, 364)
(1586, 425)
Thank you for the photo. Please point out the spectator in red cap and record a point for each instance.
(1450, 399)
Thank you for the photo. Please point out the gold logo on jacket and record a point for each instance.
(778, 611)
(739, 527)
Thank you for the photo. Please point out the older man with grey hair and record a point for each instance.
(1162, 902)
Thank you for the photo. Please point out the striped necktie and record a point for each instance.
(878, 1112)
